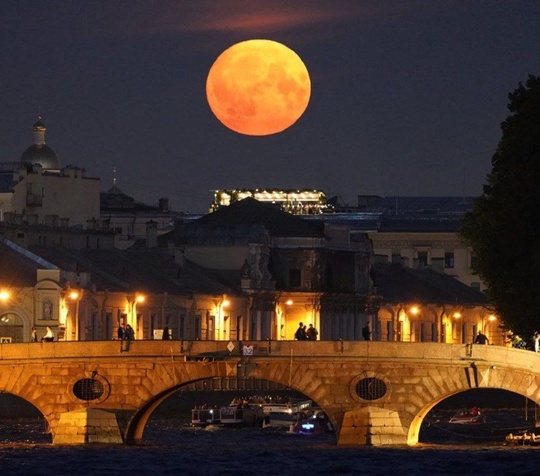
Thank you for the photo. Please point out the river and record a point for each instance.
(171, 446)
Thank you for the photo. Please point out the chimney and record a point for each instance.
(163, 204)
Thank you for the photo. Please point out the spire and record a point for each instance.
(39, 132)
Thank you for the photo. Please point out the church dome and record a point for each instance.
(39, 152)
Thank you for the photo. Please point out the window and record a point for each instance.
(423, 258)
(295, 278)
(474, 261)
(449, 259)
(475, 286)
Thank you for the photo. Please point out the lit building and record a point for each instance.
(297, 202)
(37, 190)
(417, 232)
(245, 272)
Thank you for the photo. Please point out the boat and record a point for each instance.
(468, 417)
(529, 437)
(241, 413)
(316, 423)
(204, 415)
(284, 413)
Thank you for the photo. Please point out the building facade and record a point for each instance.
(37, 190)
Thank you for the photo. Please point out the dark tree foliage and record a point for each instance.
(503, 228)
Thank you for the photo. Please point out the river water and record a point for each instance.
(171, 446)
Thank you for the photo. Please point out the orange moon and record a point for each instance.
(258, 87)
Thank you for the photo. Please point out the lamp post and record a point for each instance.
(75, 296)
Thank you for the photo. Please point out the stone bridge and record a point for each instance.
(375, 393)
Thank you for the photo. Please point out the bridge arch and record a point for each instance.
(136, 425)
(522, 383)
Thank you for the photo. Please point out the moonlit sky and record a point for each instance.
(407, 96)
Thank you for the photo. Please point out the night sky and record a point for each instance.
(407, 96)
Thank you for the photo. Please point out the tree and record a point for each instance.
(503, 227)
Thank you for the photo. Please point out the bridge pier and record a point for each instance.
(88, 425)
(372, 426)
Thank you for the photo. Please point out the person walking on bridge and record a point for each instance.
(481, 339)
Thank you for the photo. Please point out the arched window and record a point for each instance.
(11, 328)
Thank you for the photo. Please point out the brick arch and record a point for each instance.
(461, 380)
(137, 424)
(25, 392)
(310, 386)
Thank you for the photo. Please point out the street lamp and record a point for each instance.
(75, 295)
(139, 299)
(4, 295)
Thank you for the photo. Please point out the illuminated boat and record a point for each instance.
(317, 423)
(284, 413)
(241, 414)
(203, 416)
(528, 437)
(466, 417)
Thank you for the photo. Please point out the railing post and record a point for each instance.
(269, 346)
(341, 342)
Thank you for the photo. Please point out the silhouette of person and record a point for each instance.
(312, 333)
(366, 332)
(300, 333)
(130, 333)
(166, 334)
(481, 339)
(121, 332)
(33, 335)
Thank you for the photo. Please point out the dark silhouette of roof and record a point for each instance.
(115, 270)
(396, 283)
(401, 214)
(18, 271)
(250, 212)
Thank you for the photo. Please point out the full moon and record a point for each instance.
(258, 87)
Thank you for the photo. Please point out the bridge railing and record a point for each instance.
(212, 350)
